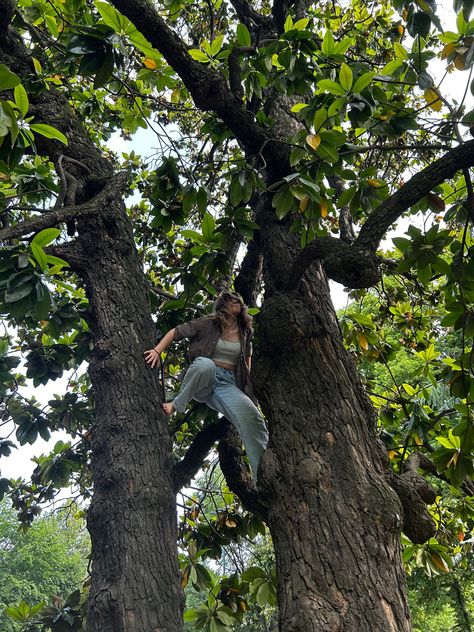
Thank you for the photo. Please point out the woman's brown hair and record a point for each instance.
(221, 312)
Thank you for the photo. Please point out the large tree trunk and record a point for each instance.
(334, 520)
(132, 519)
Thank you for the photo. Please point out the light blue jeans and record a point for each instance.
(216, 387)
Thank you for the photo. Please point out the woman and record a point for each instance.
(220, 352)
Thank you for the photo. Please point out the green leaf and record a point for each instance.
(21, 99)
(216, 45)
(48, 131)
(8, 79)
(16, 294)
(320, 118)
(327, 46)
(40, 256)
(328, 85)
(282, 202)
(208, 227)
(300, 25)
(199, 56)
(113, 18)
(243, 35)
(345, 77)
(45, 237)
(363, 81)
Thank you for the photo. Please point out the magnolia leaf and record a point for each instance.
(21, 99)
(243, 35)
(199, 56)
(323, 205)
(433, 100)
(49, 132)
(345, 77)
(313, 140)
(151, 64)
(8, 79)
(46, 236)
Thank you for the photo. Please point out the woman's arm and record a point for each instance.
(248, 362)
(152, 356)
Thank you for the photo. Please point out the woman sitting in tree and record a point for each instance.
(220, 351)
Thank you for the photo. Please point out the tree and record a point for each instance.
(48, 560)
(308, 131)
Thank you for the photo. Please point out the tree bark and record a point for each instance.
(132, 518)
(334, 519)
(136, 584)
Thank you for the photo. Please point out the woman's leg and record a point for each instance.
(231, 402)
(198, 383)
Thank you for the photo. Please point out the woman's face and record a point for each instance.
(234, 307)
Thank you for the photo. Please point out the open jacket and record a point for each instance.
(203, 334)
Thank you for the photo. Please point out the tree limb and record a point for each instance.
(279, 12)
(345, 263)
(208, 88)
(249, 279)
(429, 467)
(54, 217)
(246, 13)
(236, 474)
(380, 220)
(188, 467)
(417, 524)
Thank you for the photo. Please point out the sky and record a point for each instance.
(19, 464)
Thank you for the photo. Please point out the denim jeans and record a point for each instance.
(215, 386)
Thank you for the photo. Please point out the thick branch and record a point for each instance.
(54, 217)
(246, 13)
(430, 468)
(353, 267)
(280, 11)
(188, 467)
(208, 88)
(346, 226)
(411, 192)
(236, 474)
(249, 280)
(417, 523)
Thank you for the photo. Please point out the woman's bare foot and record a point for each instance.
(169, 408)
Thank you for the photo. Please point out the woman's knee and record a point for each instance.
(204, 365)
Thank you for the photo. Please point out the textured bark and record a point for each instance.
(135, 585)
(135, 576)
(334, 519)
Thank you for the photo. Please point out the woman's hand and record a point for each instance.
(152, 357)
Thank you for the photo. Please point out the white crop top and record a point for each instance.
(226, 352)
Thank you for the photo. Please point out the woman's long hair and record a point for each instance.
(221, 311)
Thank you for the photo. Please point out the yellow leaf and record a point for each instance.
(460, 62)
(324, 208)
(377, 184)
(313, 140)
(436, 203)
(447, 50)
(454, 459)
(304, 203)
(418, 440)
(400, 29)
(37, 65)
(433, 100)
(439, 562)
(150, 64)
(185, 576)
(460, 536)
(4, 176)
(363, 341)
(391, 454)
